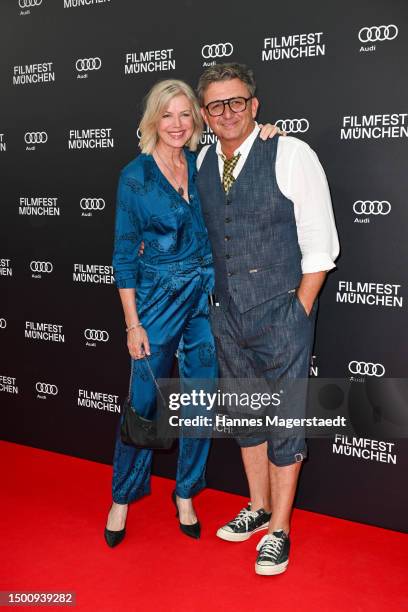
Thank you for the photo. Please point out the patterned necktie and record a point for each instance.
(227, 176)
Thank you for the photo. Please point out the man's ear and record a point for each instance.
(204, 115)
(254, 107)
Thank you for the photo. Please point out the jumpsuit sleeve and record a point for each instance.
(129, 226)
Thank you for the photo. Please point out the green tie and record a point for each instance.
(227, 176)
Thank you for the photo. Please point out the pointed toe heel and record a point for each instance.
(193, 531)
(113, 538)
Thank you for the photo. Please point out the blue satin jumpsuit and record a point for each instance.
(172, 281)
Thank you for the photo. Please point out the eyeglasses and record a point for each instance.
(236, 105)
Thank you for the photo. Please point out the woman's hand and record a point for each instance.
(269, 131)
(138, 343)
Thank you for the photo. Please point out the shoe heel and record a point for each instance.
(193, 531)
(173, 498)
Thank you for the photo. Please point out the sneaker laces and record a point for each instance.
(271, 546)
(243, 518)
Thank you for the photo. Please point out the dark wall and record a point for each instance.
(349, 73)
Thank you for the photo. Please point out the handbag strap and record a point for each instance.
(156, 384)
(149, 367)
(130, 379)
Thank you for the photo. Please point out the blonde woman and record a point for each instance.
(164, 294)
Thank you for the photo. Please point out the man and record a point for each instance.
(273, 236)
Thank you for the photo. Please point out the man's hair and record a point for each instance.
(225, 72)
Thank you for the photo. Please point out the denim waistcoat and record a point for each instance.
(252, 229)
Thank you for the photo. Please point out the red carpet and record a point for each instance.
(53, 514)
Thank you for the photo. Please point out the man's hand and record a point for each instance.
(138, 343)
(309, 288)
(269, 131)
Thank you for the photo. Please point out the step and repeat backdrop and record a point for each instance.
(73, 74)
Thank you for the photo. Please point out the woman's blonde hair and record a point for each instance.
(156, 101)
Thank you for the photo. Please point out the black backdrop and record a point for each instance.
(62, 70)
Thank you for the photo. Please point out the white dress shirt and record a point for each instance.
(302, 180)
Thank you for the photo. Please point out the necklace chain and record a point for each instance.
(180, 189)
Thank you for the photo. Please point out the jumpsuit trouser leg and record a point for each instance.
(181, 320)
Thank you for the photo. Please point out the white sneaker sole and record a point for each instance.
(271, 570)
(230, 536)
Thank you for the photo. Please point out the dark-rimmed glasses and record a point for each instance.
(236, 105)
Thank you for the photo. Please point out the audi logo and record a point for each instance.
(217, 50)
(372, 207)
(46, 388)
(28, 3)
(35, 137)
(96, 334)
(293, 125)
(88, 63)
(378, 33)
(41, 266)
(92, 203)
(3, 323)
(370, 369)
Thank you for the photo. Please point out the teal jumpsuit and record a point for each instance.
(172, 281)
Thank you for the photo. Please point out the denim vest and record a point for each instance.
(252, 229)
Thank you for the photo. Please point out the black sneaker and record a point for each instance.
(273, 557)
(244, 525)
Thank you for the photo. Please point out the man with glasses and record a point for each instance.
(273, 236)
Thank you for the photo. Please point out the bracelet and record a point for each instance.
(133, 326)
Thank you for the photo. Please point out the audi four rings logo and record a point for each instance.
(28, 3)
(293, 125)
(41, 266)
(92, 203)
(96, 334)
(370, 369)
(88, 63)
(3, 323)
(378, 33)
(217, 50)
(35, 137)
(372, 207)
(46, 388)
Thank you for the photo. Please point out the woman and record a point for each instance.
(164, 294)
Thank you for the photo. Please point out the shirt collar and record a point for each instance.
(245, 147)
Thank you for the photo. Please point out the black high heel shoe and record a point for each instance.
(113, 538)
(193, 531)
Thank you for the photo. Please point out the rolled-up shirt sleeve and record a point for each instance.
(129, 226)
(306, 185)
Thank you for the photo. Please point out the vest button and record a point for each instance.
(226, 238)
(228, 202)
(230, 274)
(227, 220)
(228, 256)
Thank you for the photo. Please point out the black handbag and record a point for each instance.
(142, 432)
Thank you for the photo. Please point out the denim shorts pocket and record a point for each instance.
(299, 306)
